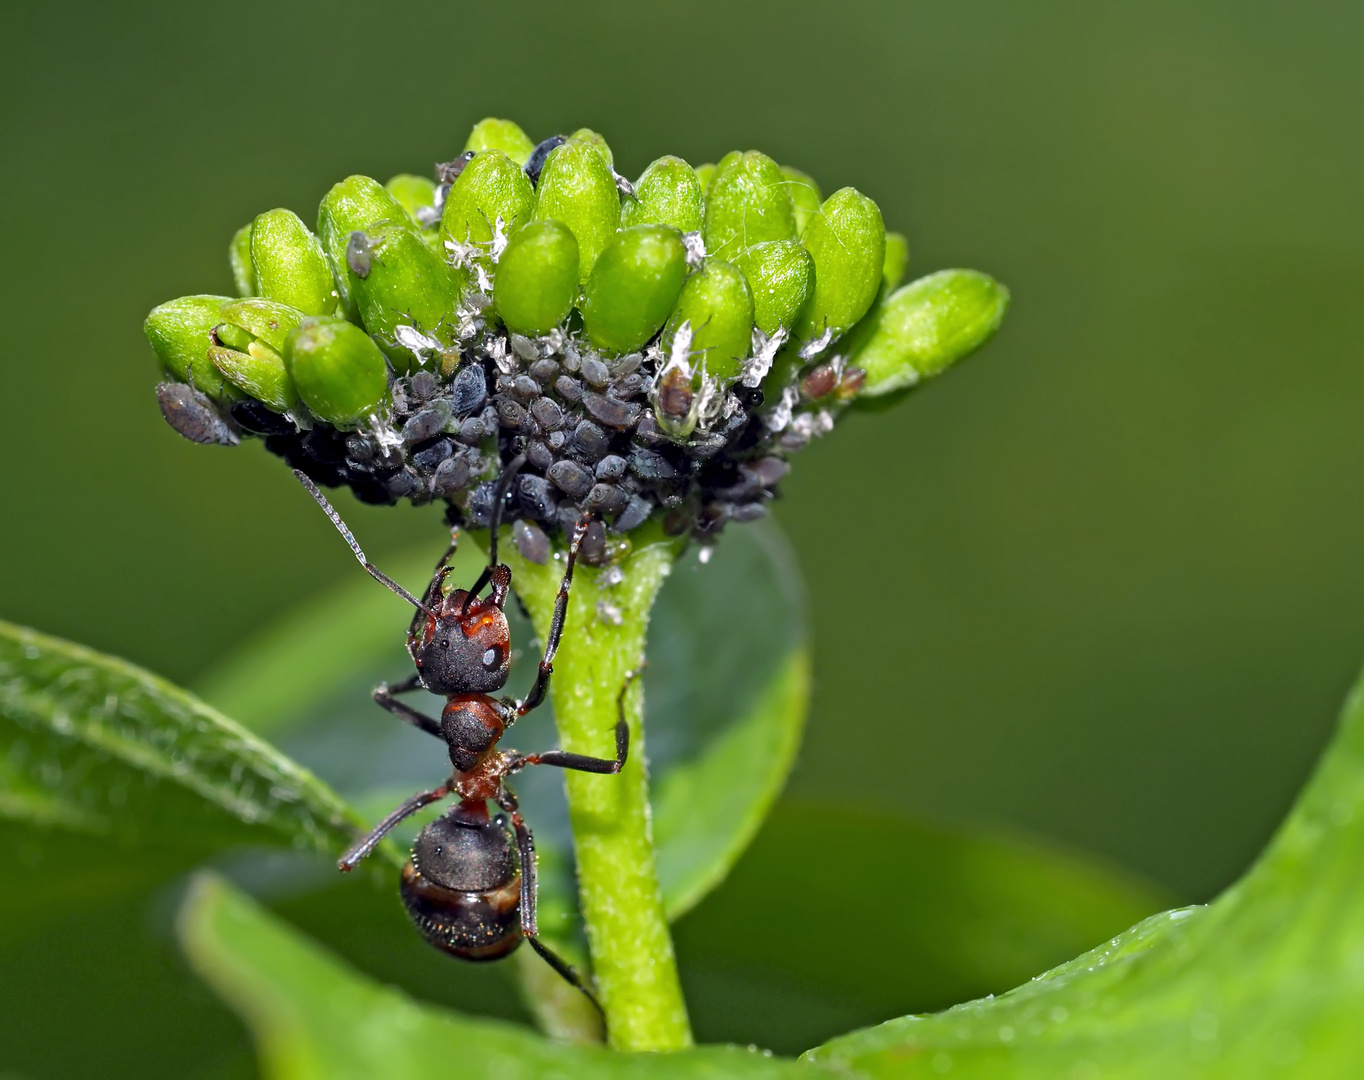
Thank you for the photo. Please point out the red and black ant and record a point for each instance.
(465, 889)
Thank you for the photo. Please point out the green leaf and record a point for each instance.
(727, 693)
(95, 746)
(958, 912)
(1265, 981)
(312, 1016)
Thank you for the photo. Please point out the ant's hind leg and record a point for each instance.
(352, 857)
(525, 846)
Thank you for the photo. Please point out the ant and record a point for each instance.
(464, 888)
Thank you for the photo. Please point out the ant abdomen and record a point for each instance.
(462, 887)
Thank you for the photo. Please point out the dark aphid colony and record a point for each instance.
(648, 349)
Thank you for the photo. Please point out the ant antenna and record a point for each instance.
(373, 571)
(504, 483)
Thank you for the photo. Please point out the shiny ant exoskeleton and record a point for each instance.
(469, 885)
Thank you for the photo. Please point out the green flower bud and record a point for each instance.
(267, 320)
(718, 304)
(847, 241)
(253, 332)
(668, 193)
(504, 135)
(930, 324)
(234, 337)
(781, 275)
(633, 287)
(412, 193)
(259, 371)
(357, 203)
(805, 196)
(338, 371)
(239, 256)
(747, 203)
(896, 262)
(537, 278)
(592, 138)
(181, 333)
(893, 269)
(405, 284)
(704, 175)
(492, 186)
(289, 264)
(577, 188)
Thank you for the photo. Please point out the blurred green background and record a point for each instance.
(1100, 584)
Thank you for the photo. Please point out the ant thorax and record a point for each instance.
(471, 724)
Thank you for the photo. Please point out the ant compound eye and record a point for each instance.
(492, 658)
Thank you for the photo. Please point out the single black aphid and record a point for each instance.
(469, 885)
(536, 162)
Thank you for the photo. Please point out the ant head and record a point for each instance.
(466, 647)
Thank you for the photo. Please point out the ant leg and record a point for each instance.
(564, 760)
(383, 697)
(581, 762)
(504, 483)
(351, 858)
(556, 627)
(341, 527)
(525, 845)
(431, 598)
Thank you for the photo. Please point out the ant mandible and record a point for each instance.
(462, 886)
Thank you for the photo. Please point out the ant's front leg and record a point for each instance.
(432, 597)
(383, 697)
(352, 857)
(556, 627)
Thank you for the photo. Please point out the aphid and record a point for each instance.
(624, 186)
(470, 883)
(193, 415)
(357, 254)
(536, 162)
(447, 172)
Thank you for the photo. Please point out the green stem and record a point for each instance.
(632, 951)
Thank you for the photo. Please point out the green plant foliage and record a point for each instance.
(973, 913)
(1263, 982)
(314, 1017)
(93, 745)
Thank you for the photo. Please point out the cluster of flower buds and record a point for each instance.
(648, 349)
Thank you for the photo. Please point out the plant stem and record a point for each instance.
(632, 952)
